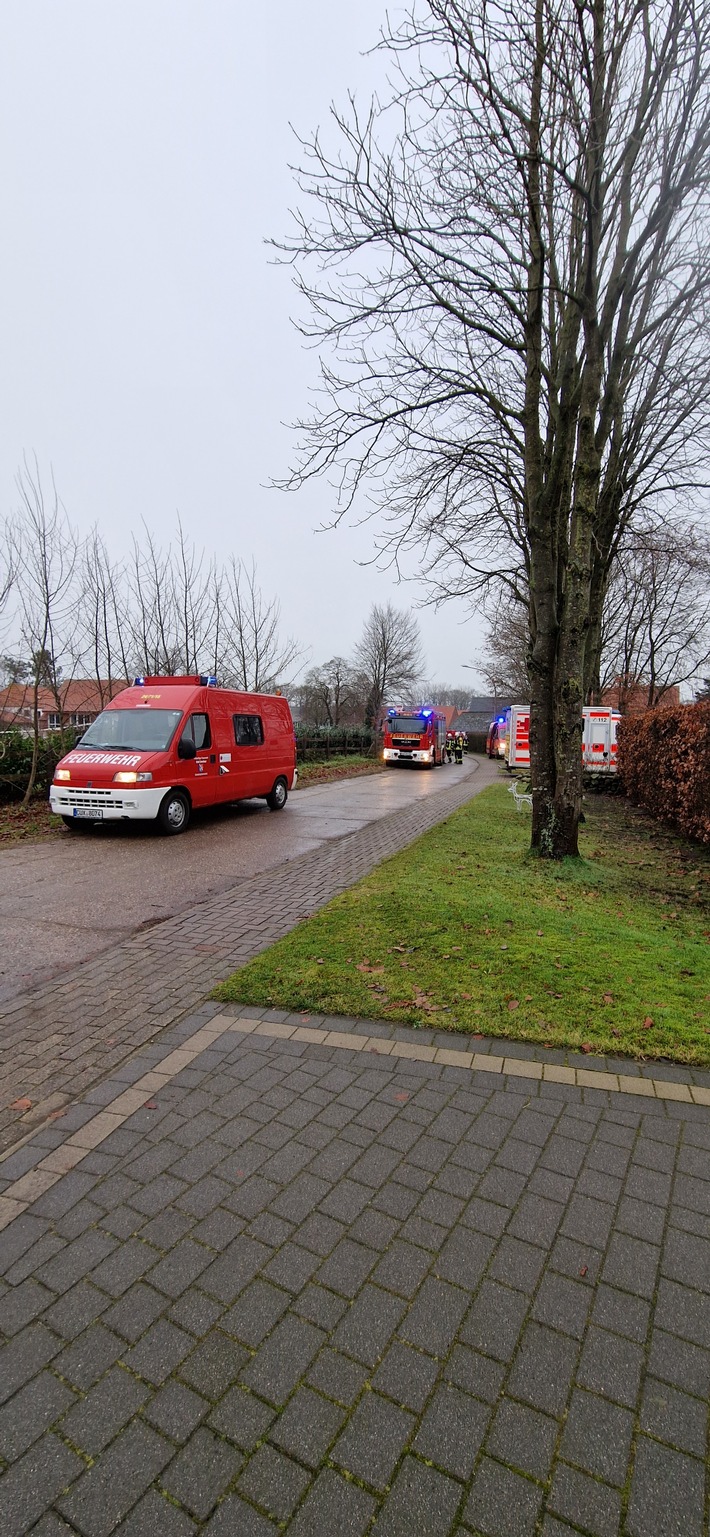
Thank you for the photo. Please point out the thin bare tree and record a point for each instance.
(252, 653)
(195, 588)
(505, 660)
(389, 655)
(656, 625)
(8, 570)
(333, 695)
(511, 293)
(102, 617)
(447, 693)
(45, 550)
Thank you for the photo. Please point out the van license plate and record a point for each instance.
(86, 811)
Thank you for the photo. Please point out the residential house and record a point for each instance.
(76, 704)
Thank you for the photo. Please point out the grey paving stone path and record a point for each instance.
(324, 1291)
(59, 1038)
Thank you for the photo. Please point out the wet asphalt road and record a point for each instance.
(74, 895)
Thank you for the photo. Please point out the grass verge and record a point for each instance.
(466, 930)
(339, 768)
(28, 824)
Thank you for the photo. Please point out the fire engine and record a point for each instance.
(599, 744)
(168, 745)
(497, 740)
(414, 736)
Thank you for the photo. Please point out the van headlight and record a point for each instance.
(62, 774)
(130, 777)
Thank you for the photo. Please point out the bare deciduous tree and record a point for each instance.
(7, 567)
(505, 661)
(444, 693)
(45, 549)
(656, 625)
(334, 694)
(253, 654)
(389, 656)
(102, 617)
(195, 593)
(513, 274)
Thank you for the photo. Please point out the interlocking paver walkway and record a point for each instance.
(59, 1038)
(318, 1290)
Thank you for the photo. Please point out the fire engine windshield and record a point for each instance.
(407, 725)
(137, 730)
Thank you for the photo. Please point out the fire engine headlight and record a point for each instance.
(130, 777)
(62, 774)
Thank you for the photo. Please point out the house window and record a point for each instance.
(55, 721)
(79, 720)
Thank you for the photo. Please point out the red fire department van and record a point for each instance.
(415, 736)
(599, 744)
(168, 745)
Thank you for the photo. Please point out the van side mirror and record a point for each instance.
(186, 748)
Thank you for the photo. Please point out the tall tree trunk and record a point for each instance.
(35, 744)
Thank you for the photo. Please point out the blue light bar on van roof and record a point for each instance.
(139, 682)
(426, 713)
(208, 679)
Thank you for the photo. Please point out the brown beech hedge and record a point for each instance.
(664, 763)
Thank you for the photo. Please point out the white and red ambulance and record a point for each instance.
(600, 749)
(167, 746)
(599, 744)
(517, 736)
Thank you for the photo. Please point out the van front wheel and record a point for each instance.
(278, 797)
(174, 813)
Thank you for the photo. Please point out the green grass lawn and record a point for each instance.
(467, 931)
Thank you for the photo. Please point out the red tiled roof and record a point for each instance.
(78, 696)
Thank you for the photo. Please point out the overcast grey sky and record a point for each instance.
(147, 349)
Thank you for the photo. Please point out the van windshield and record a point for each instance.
(139, 730)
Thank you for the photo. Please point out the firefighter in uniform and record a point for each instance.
(458, 747)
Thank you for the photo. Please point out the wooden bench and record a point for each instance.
(521, 797)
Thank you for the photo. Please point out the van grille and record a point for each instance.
(94, 799)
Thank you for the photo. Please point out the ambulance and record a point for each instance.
(516, 736)
(168, 746)
(599, 738)
(600, 749)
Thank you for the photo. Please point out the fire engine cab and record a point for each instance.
(167, 746)
(414, 736)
